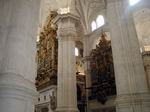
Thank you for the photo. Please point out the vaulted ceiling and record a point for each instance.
(142, 23)
(86, 9)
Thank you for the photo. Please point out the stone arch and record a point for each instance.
(142, 24)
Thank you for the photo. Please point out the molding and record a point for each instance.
(16, 80)
(59, 18)
(17, 92)
(48, 88)
(16, 86)
(69, 33)
(127, 100)
(67, 16)
(42, 104)
(66, 109)
(98, 31)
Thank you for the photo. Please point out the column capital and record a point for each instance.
(66, 24)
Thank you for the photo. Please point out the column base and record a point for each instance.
(14, 96)
(133, 103)
(67, 110)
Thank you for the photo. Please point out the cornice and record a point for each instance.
(61, 17)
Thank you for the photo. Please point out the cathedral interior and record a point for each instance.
(74, 55)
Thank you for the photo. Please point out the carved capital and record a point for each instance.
(66, 24)
(67, 33)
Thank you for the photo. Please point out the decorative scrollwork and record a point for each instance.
(47, 54)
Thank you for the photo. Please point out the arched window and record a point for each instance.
(93, 25)
(38, 38)
(76, 52)
(133, 2)
(100, 21)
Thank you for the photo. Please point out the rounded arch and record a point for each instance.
(142, 24)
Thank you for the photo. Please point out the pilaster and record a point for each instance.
(18, 26)
(66, 90)
(132, 90)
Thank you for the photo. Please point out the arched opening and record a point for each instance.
(100, 21)
(79, 56)
(76, 51)
(93, 25)
(142, 24)
(133, 2)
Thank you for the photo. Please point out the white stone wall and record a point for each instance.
(42, 102)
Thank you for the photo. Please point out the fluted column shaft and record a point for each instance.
(66, 89)
(18, 25)
(132, 89)
(87, 69)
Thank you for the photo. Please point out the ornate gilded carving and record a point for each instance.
(102, 71)
(47, 55)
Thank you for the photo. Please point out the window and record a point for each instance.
(76, 52)
(93, 25)
(133, 2)
(100, 21)
(38, 38)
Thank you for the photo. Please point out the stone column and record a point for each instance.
(86, 60)
(87, 69)
(66, 87)
(132, 89)
(18, 25)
